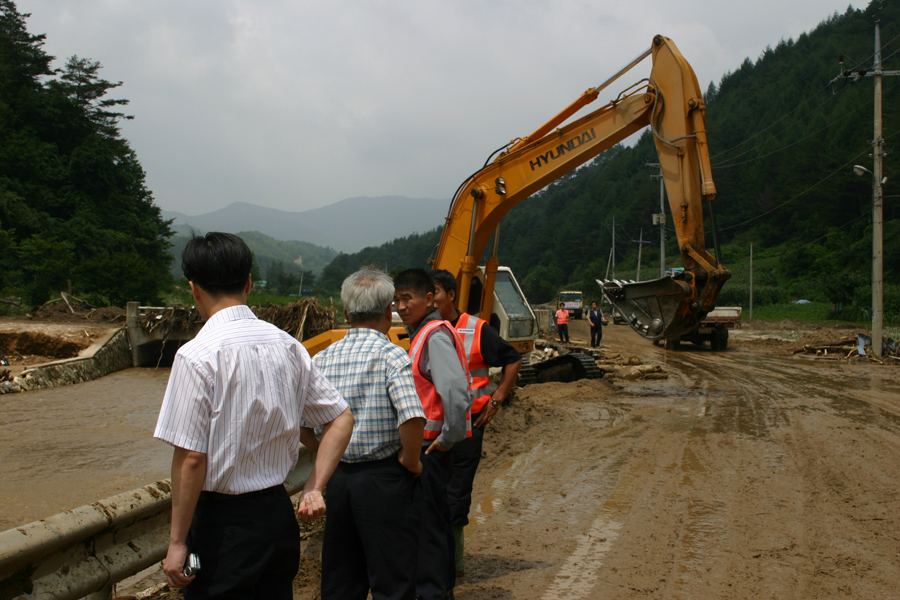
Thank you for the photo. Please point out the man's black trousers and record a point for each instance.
(437, 569)
(371, 536)
(596, 333)
(249, 546)
(563, 332)
(466, 456)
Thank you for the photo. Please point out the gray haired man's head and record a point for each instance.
(367, 294)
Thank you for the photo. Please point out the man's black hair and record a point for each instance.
(217, 262)
(445, 278)
(417, 280)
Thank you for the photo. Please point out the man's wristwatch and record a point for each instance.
(495, 403)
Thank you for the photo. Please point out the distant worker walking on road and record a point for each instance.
(371, 536)
(484, 348)
(562, 324)
(442, 380)
(232, 409)
(597, 321)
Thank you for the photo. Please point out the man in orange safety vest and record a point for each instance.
(442, 380)
(562, 324)
(484, 349)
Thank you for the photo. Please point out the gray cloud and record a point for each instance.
(297, 104)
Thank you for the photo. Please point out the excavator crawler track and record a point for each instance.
(563, 368)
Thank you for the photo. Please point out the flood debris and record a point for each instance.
(70, 309)
(857, 347)
(303, 319)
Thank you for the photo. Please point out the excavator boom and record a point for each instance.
(671, 104)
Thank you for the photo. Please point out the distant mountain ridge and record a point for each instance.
(346, 226)
(295, 256)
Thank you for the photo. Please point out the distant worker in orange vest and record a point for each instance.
(442, 381)
(484, 348)
(562, 324)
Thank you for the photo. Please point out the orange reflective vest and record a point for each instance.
(431, 400)
(562, 317)
(469, 329)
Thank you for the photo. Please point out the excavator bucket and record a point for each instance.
(656, 309)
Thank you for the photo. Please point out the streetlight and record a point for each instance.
(877, 258)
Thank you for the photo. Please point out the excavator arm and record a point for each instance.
(671, 104)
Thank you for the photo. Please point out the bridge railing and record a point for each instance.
(83, 552)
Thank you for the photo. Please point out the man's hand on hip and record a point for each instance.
(411, 464)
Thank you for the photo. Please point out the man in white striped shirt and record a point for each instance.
(232, 410)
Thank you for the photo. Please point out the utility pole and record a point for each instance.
(660, 219)
(640, 248)
(751, 281)
(614, 246)
(877, 192)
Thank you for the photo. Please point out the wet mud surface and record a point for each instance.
(745, 474)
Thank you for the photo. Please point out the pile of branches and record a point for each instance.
(845, 347)
(849, 347)
(303, 319)
(170, 318)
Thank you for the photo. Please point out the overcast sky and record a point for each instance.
(295, 104)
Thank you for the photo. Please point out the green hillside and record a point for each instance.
(75, 211)
(294, 256)
(782, 141)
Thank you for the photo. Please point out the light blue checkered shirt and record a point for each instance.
(375, 378)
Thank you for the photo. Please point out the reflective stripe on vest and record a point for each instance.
(562, 317)
(431, 401)
(469, 329)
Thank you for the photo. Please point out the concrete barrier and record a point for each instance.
(113, 356)
(85, 551)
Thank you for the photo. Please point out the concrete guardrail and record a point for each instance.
(83, 552)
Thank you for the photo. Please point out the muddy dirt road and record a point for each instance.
(744, 474)
(741, 476)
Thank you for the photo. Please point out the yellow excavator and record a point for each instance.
(671, 104)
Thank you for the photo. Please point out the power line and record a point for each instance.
(858, 108)
(776, 122)
(792, 111)
(838, 170)
(783, 148)
(824, 236)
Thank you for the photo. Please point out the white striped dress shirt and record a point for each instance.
(237, 393)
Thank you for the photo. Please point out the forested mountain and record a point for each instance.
(267, 251)
(783, 142)
(74, 206)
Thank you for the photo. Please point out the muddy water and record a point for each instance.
(65, 447)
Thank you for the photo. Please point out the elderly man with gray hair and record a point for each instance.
(371, 526)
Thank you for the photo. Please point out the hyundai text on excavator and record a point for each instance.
(671, 104)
